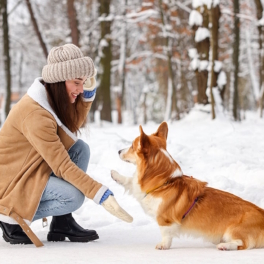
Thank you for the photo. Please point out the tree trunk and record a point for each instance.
(174, 106)
(122, 63)
(203, 54)
(6, 55)
(236, 108)
(213, 55)
(103, 98)
(73, 22)
(36, 28)
(259, 9)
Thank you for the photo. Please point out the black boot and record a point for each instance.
(14, 234)
(65, 226)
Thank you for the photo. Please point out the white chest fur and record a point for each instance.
(149, 203)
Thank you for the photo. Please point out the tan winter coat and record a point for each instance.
(33, 143)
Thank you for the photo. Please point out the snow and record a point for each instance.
(227, 155)
(195, 18)
(208, 3)
(201, 34)
(217, 66)
(221, 79)
(192, 53)
(203, 65)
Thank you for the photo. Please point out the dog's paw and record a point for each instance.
(162, 246)
(223, 246)
(115, 176)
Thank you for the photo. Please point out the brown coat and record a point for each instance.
(33, 142)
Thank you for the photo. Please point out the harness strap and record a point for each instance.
(26, 229)
(190, 207)
(152, 190)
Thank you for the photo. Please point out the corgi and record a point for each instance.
(184, 205)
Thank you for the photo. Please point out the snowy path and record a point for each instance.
(229, 156)
(119, 244)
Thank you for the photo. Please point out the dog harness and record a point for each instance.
(166, 183)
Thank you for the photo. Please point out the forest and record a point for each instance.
(156, 59)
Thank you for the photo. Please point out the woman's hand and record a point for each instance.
(110, 204)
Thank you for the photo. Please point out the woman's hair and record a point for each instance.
(68, 113)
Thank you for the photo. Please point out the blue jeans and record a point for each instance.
(60, 197)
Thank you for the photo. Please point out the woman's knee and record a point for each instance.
(85, 148)
(80, 154)
(77, 199)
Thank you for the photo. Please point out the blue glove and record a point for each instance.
(105, 196)
(88, 94)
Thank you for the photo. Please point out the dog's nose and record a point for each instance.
(119, 151)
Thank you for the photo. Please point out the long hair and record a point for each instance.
(68, 113)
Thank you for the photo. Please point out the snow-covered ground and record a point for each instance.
(228, 155)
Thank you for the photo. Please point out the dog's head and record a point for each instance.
(149, 154)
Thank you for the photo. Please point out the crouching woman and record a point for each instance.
(42, 162)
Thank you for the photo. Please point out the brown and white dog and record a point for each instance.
(184, 205)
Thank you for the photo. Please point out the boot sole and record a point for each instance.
(55, 237)
(13, 241)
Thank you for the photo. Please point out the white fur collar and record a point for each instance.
(38, 93)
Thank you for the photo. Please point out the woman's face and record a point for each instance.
(74, 88)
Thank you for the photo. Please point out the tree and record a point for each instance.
(214, 15)
(122, 66)
(236, 42)
(259, 7)
(73, 22)
(103, 100)
(6, 53)
(171, 81)
(36, 28)
(199, 24)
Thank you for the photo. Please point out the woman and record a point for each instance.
(42, 163)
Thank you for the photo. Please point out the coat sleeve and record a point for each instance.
(40, 129)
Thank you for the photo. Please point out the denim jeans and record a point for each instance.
(60, 197)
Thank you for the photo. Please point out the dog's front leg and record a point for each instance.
(167, 234)
(126, 182)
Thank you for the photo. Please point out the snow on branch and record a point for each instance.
(221, 80)
(195, 18)
(110, 17)
(201, 34)
(208, 3)
(142, 15)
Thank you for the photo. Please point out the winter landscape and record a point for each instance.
(199, 64)
(228, 155)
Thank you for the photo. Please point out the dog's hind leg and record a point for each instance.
(126, 182)
(233, 245)
(234, 239)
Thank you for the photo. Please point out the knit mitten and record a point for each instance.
(111, 205)
(90, 83)
(89, 88)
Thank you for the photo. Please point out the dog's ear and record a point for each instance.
(162, 131)
(143, 141)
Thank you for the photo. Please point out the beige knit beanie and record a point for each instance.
(67, 63)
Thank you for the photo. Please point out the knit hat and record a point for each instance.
(67, 63)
